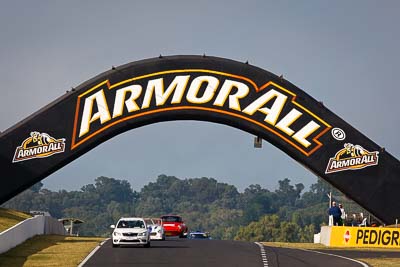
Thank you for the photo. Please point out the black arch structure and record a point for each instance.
(206, 89)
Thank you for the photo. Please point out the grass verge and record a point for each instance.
(50, 250)
(386, 262)
(375, 262)
(9, 218)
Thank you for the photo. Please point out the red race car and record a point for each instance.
(174, 226)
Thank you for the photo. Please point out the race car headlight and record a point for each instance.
(142, 234)
(180, 227)
(117, 234)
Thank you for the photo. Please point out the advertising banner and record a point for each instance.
(345, 236)
(208, 89)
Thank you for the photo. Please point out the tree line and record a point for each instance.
(287, 214)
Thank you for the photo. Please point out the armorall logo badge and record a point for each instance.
(38, 145)
(352, 157)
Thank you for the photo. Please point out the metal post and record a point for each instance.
(330, 203)
(330, 199)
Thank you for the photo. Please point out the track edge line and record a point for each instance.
(92, 253)
(339, 256)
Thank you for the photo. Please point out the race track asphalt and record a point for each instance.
(210, 253)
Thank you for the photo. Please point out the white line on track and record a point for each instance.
(359, 262)
(92, 253)
(263, 254)
(265, 260)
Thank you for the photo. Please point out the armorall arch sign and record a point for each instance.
(207, 89)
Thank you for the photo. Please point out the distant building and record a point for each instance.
(71, 225)
(39, 212)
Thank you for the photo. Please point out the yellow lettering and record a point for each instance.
(288, 120)
(157, 87)
(273, 112)
(212, 84)
(304, 132)
(103, 113)
(130, 103)
(227, 87)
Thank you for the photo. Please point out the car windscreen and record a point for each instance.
(157, 221)
(130, 224)
(171, 219)
(149, 221)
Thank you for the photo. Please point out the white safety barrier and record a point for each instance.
(325, 235)
(317, 238)
(28, 228)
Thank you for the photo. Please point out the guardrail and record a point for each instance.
(28, 228)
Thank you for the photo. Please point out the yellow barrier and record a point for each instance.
(344, 236)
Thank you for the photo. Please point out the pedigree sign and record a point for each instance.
(274, 108)
(343, 236)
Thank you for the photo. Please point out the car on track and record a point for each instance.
(174, 226)
(199, 235)
(156, 228)
(130, 231)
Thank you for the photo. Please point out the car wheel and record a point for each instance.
(114, 245)
(147, 245)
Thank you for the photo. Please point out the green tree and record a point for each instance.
(256, 201)
(288, 194)
(112, 189)
(36, 187)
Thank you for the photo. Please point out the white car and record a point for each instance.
(130, 231)
(155, 227)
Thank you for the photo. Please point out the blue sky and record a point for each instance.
(344, 53)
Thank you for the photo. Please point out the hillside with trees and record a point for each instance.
(287, 214)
